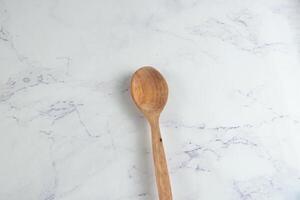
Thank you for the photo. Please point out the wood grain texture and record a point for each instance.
(149, 91)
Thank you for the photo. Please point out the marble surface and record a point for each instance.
(69, 130)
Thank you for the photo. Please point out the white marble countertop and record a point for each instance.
(68, 127)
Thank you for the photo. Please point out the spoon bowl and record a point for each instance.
(149, 90)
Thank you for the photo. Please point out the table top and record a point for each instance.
(69, 129)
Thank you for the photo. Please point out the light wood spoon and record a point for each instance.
(149, 91)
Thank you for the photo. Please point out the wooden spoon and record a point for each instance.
(149, 91)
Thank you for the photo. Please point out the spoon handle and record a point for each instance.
(161, 169)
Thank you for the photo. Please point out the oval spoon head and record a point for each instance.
(149, 90)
